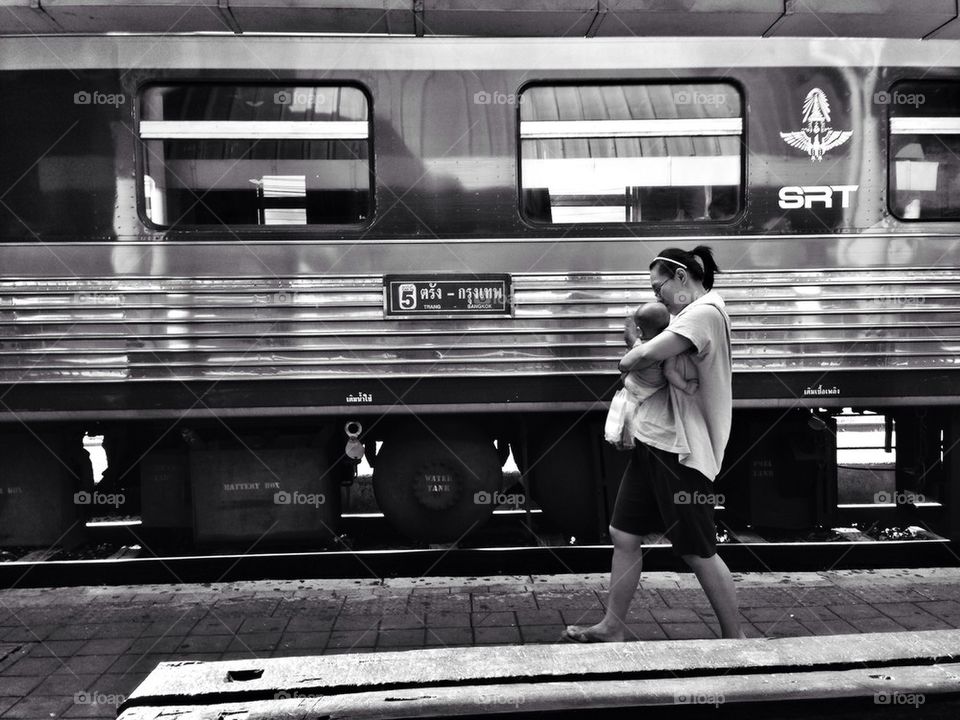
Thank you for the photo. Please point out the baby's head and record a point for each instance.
(651, 319)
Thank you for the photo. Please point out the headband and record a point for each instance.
(675, 262)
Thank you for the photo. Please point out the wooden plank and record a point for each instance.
(654, 538)
(747, 536)
(127, 552)
(853, 535)
(40, 555)
(909, 686)
(198, 682)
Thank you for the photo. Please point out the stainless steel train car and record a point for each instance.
(217, 251)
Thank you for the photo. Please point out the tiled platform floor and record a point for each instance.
(76, 652)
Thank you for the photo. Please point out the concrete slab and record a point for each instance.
(545, 663)
(554, 677)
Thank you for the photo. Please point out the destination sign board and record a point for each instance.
(414, 295)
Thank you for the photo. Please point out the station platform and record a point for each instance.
(81, 651)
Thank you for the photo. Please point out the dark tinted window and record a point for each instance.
(924, 150)
(255, 155)
(631, 153)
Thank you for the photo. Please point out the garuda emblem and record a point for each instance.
(817, 136)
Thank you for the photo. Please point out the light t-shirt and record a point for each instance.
(644, 383)
(695, 427)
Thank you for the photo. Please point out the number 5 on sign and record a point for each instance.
(407, 296)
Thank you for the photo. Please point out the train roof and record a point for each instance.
(918, 19)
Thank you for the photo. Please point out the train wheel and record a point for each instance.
(437, 487)
(562, 469)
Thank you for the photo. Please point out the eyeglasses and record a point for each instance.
(656, 287)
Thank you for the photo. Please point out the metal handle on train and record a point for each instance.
(354, 448)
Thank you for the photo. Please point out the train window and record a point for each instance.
(924, 150)
(632, 153)
(255, 155)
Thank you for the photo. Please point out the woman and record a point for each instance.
(682, 440)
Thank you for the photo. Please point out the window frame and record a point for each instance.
(248, 228)
(646, 82)
(890, 121)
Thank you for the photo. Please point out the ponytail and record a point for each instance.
(710, 267)
(699, 263)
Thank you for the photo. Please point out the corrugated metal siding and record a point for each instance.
(845, 320)
(159, 329)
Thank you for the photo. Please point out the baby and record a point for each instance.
(648, 321)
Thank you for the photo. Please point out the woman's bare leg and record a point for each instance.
(717, 583)
(624, 576)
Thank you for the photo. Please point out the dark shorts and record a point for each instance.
(655, 480)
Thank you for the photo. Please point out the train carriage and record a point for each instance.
(219, 250)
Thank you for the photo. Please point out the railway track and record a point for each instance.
(508, 545)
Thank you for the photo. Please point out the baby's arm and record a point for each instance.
(671, 372)
(630, 334)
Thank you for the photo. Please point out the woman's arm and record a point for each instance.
(666, 344)
(672, 373)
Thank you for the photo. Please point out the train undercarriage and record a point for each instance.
(794, 475)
